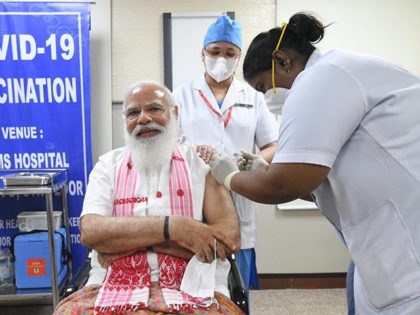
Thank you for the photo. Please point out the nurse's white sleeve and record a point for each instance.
(323, 108)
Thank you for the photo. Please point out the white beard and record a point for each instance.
(153, 154)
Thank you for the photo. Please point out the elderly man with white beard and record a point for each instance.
(159, 224)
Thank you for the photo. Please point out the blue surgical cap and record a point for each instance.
(224, 30)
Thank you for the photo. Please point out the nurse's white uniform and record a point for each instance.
(248, 124)
(360, 116)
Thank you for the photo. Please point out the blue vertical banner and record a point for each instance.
(45, 103)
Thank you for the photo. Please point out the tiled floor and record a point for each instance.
(299, 302)
(26, 310)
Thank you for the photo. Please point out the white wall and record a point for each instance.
(297, 241)
(386, 28)
(101, 78)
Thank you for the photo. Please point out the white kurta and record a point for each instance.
(99, 198)
(360, 116)
(250, 125)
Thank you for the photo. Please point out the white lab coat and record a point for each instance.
(360, 116)
(250, 125)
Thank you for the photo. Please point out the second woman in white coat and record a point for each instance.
(219, 111)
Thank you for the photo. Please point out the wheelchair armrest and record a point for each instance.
(236, 286)
(81, 276)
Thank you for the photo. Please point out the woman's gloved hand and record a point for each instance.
(223, 168)
(248, 161)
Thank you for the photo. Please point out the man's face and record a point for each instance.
(151, 127)
(146, 105)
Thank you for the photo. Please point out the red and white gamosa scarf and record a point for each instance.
(127, 282)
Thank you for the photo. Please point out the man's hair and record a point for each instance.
(169, 97)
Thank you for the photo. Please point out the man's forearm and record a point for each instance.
(120, 234)
(267, 152)
(220, 214)
(114, 235)
(172, 248)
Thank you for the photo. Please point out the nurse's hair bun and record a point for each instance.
(302, 31)
(306, 27)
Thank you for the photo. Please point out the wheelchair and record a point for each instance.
(236, 286)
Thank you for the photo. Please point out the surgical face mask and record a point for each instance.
(220, 68)
(275, 102)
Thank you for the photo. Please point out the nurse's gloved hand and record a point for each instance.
(249, 162)
(223, 168)
(242, 163)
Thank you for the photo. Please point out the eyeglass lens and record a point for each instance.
(216, 52)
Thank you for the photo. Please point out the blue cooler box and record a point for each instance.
(32, 259)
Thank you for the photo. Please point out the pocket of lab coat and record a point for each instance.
(382, 248)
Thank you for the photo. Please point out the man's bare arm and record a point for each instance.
(267, 151)
(221, 215)
(118, 235)
(222, 225)
(112, 235)
(222, 222)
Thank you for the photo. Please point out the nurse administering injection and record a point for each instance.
(350, 139)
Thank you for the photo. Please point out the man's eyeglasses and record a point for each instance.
(217, 52)
(150, 110)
